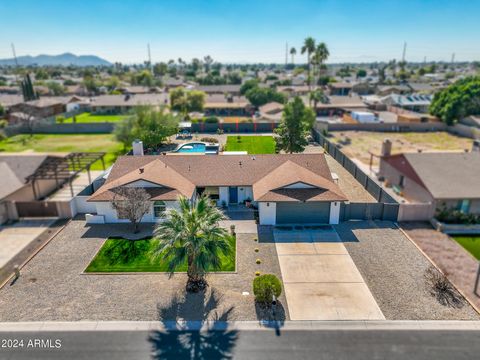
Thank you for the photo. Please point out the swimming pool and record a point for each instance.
(192, 148)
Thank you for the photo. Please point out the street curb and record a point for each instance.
(476, 308)
(383, 325)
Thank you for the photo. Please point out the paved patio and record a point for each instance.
(53, 286)
(14, 238)
(321, 281)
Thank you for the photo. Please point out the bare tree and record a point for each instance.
(131, 203)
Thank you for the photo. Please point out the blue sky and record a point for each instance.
(242, 30)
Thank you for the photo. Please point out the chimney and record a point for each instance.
(476, 145)
(386, 147)
(137, 146)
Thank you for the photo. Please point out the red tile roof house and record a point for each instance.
(287, 188)
(445, 179)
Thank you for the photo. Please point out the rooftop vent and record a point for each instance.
(141, 170)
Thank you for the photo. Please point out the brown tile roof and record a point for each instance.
(185, 172)
(271, 186)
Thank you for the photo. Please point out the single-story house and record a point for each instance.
(414, 102)
(294, 90)
(445, 179)
(43, 107)
(271, 111)
(286, 188)
(227, 105)
(338, 105)
(384, 90)
(116, 104)
(220, 89)
(472, 120)
(340, 88)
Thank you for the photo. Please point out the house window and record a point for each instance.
(159, 208)
(464, 206)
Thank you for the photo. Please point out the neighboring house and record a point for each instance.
(414, 102)
(271, 112)
(338, 105)
(472, 120)
(384, 90)
(116, 104)
(16, 187)
(294, 90)
(423, 88)
(287, 188)
(340, 88)
(43, 107)
(139, 90)
(450, 180)
(9, 100)
(220, 89)
(227, 105)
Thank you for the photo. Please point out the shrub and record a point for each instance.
(219, 131)
(265, 287)
(60, 119)
(453, 216)
(209, 140)
(211, 120)
(3, 124)
(440, 288)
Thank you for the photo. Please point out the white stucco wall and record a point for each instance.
(223, 194)
(110, 214)
(267, 213)
(334, 212)
(244, 193)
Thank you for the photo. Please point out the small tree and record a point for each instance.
(131, 203)
(123, 132)
(297, 121)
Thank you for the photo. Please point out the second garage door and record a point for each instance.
(303, 213)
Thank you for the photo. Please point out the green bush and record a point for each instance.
(60, 119)
(209, 140)
(211, 120)
(3, 124)
(265, 286)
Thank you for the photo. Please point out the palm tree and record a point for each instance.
(317, 96)
(192, 235)
(308, 47)
(293, 52)
(321, 54)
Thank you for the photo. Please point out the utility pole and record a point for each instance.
(149, 58)
(286, 54)
(404, 51)
(16, 62)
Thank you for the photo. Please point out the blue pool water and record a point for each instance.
(192, 148)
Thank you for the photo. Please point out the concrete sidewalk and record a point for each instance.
(237, 325)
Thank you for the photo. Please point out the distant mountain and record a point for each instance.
(62, 59)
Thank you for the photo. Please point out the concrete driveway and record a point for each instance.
(320, 279)
(13, 238)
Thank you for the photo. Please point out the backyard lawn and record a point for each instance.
(120, 255)
(471, 243)
(92, 118)
(66, 143)
(251, 144)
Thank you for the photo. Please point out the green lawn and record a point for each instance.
(91, 118)
(252, 144)
(66, 143)
(120, 255)
(471, 243)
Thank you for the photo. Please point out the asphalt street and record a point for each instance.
(242, 344)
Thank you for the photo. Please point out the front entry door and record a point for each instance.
(233, 195)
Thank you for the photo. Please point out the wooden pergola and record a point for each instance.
(64, 169)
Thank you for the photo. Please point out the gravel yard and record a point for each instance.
(53, 286)
(393, 269)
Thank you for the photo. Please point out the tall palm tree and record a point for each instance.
(192, 235)
(293, 52)
(322, 54)
(308, 47)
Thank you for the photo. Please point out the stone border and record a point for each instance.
(84, 272)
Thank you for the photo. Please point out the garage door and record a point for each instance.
(303, 213)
